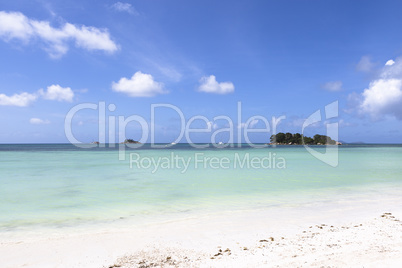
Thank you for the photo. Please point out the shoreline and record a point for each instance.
(325, 201)
(195, 240)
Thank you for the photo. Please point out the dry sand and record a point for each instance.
(293, 237)
(374, 243)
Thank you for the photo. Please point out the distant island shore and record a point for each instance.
(299, 139)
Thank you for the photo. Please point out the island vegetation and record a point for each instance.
(299, 139)
(131, 141)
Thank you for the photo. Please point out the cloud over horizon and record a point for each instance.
(21, 100)
(139, 85)
(208, 84)
(15, 25)
(384, 94)
(53, 92)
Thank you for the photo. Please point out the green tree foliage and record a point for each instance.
(288, 137)
(130, 141)
(278, 138)
(308, 140)
(322, 139)
(298, 139)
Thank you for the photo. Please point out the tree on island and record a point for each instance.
(322, 139)
(278, 138)
(299, 139)
(130, 141)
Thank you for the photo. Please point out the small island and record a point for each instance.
(299, 139)
(131, 141)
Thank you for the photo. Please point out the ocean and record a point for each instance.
(56, 186)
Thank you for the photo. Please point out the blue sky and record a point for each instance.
(278, 58)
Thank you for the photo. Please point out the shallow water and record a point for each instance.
(60, 185)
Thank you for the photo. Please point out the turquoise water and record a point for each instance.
(62, 185)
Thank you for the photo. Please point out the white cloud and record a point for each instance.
(392, 71)
(56, 92)
(210, 85)
(333, 86)
(139, 85)
(124, 7)
(20, 100)
(90, 38)
(390, 63)
(38, 121)
(53, 92)
(365, 64)
(384, 94)
(15, 25)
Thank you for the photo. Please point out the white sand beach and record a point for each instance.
(367, 234)
(143, 134)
